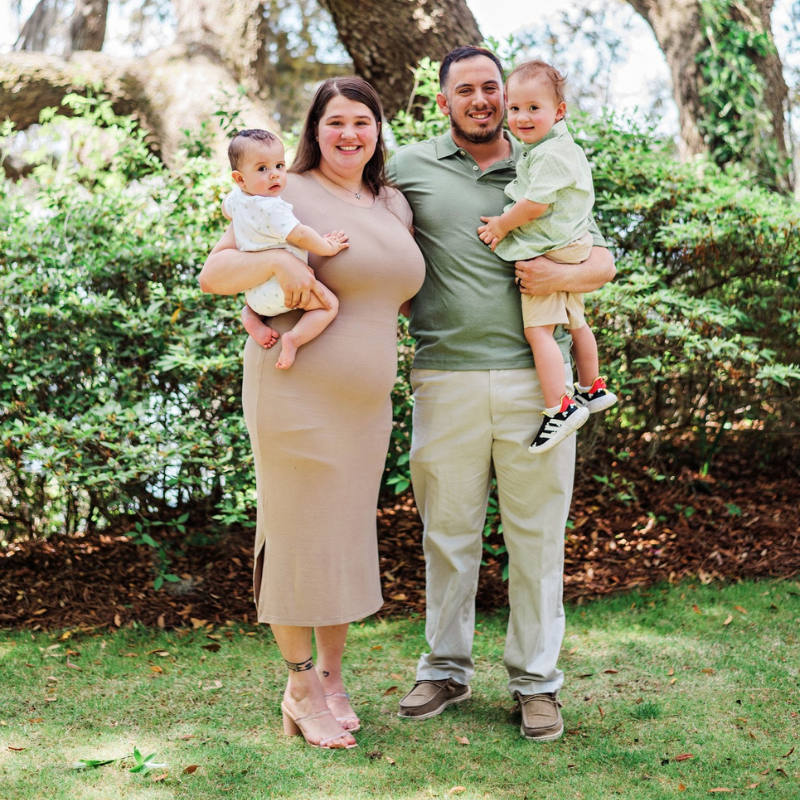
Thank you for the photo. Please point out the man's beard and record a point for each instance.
(479, 137)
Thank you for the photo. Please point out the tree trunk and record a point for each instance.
(387, 39)
(682, 34)
(87, 28)
(36, 31)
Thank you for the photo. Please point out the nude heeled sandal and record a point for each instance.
(342, 720)
(293, 726)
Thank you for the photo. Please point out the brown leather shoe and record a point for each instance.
(429, 698)
(541, 717)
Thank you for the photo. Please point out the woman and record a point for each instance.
(320, 431)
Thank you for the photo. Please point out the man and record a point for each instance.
(478, 404)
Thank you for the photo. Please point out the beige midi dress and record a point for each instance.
(320, 430)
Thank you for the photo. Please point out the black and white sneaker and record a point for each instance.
(598, 398)
(559, 426)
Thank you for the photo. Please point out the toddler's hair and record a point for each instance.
(533, 69)
(238, 145)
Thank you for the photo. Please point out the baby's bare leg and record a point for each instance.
(585, 348)
(549, 363)
(314, 320)
(253, 324)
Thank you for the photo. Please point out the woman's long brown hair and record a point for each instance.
(308, 152)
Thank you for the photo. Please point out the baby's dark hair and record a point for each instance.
(533, 69)
(238, 145)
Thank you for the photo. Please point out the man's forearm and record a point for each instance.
(540, 276)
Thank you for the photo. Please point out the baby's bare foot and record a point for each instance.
(288, 351)
(262, 333)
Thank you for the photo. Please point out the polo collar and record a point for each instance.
(446, 147)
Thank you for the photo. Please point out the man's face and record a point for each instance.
(473, 99)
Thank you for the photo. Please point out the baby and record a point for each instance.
(550, 215)
(262, 221)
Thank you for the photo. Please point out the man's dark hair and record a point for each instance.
(461, 54)
(238, 145)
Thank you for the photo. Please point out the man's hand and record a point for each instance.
(492, 232)
(541, 276)
(298, 283)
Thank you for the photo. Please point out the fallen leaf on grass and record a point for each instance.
(674, 680)
(161, 622)
(671, 671)
(574, 650)
(130, 655)
(684, 757)
(610, 671)
(198, 623)
(741, 611)
(212, 648)
(395, 676)
(782, 772)
(728, 620)
(681, 787)
(719, 789)
(156, 668)
(188, 736)
(457, 790)
(159, 652)
(160, 777)
(377, 647)
(390, 760)
(707, 671)
(390, 690)
(696, 609)
(191, 769)
(117, 620)
(788, 754)
(462, 740)
(39, 719)
(602, 713)
(751, 785)
(217, 685)
(73, 666)
(16, 749)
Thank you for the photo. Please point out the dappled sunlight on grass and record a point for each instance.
(649, 677)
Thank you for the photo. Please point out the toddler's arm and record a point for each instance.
(308, 239)
(497, 228)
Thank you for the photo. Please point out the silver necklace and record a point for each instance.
(357, 194)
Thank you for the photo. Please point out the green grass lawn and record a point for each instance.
(672, 692)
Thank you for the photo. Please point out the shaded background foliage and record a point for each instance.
(120, 381)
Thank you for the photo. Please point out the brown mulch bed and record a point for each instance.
(743, 521)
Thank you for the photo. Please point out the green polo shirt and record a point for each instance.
(467, 315)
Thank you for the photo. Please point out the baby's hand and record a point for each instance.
(491, 233)
(337, 240)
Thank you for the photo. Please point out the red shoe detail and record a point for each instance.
(566, 401)
(598, 384)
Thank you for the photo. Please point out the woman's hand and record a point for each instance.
(229, 270)
(297, 281)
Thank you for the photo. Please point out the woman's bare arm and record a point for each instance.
(229, 271)
(540, 276)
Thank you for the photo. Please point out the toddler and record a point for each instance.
(550, 215)
(262, 221)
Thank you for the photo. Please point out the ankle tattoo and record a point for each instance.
(299, 666)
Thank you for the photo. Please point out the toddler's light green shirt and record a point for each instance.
(554, 172)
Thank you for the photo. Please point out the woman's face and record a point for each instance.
(347, 134)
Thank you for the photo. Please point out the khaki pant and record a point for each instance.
(466, 423)
(559, 308)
